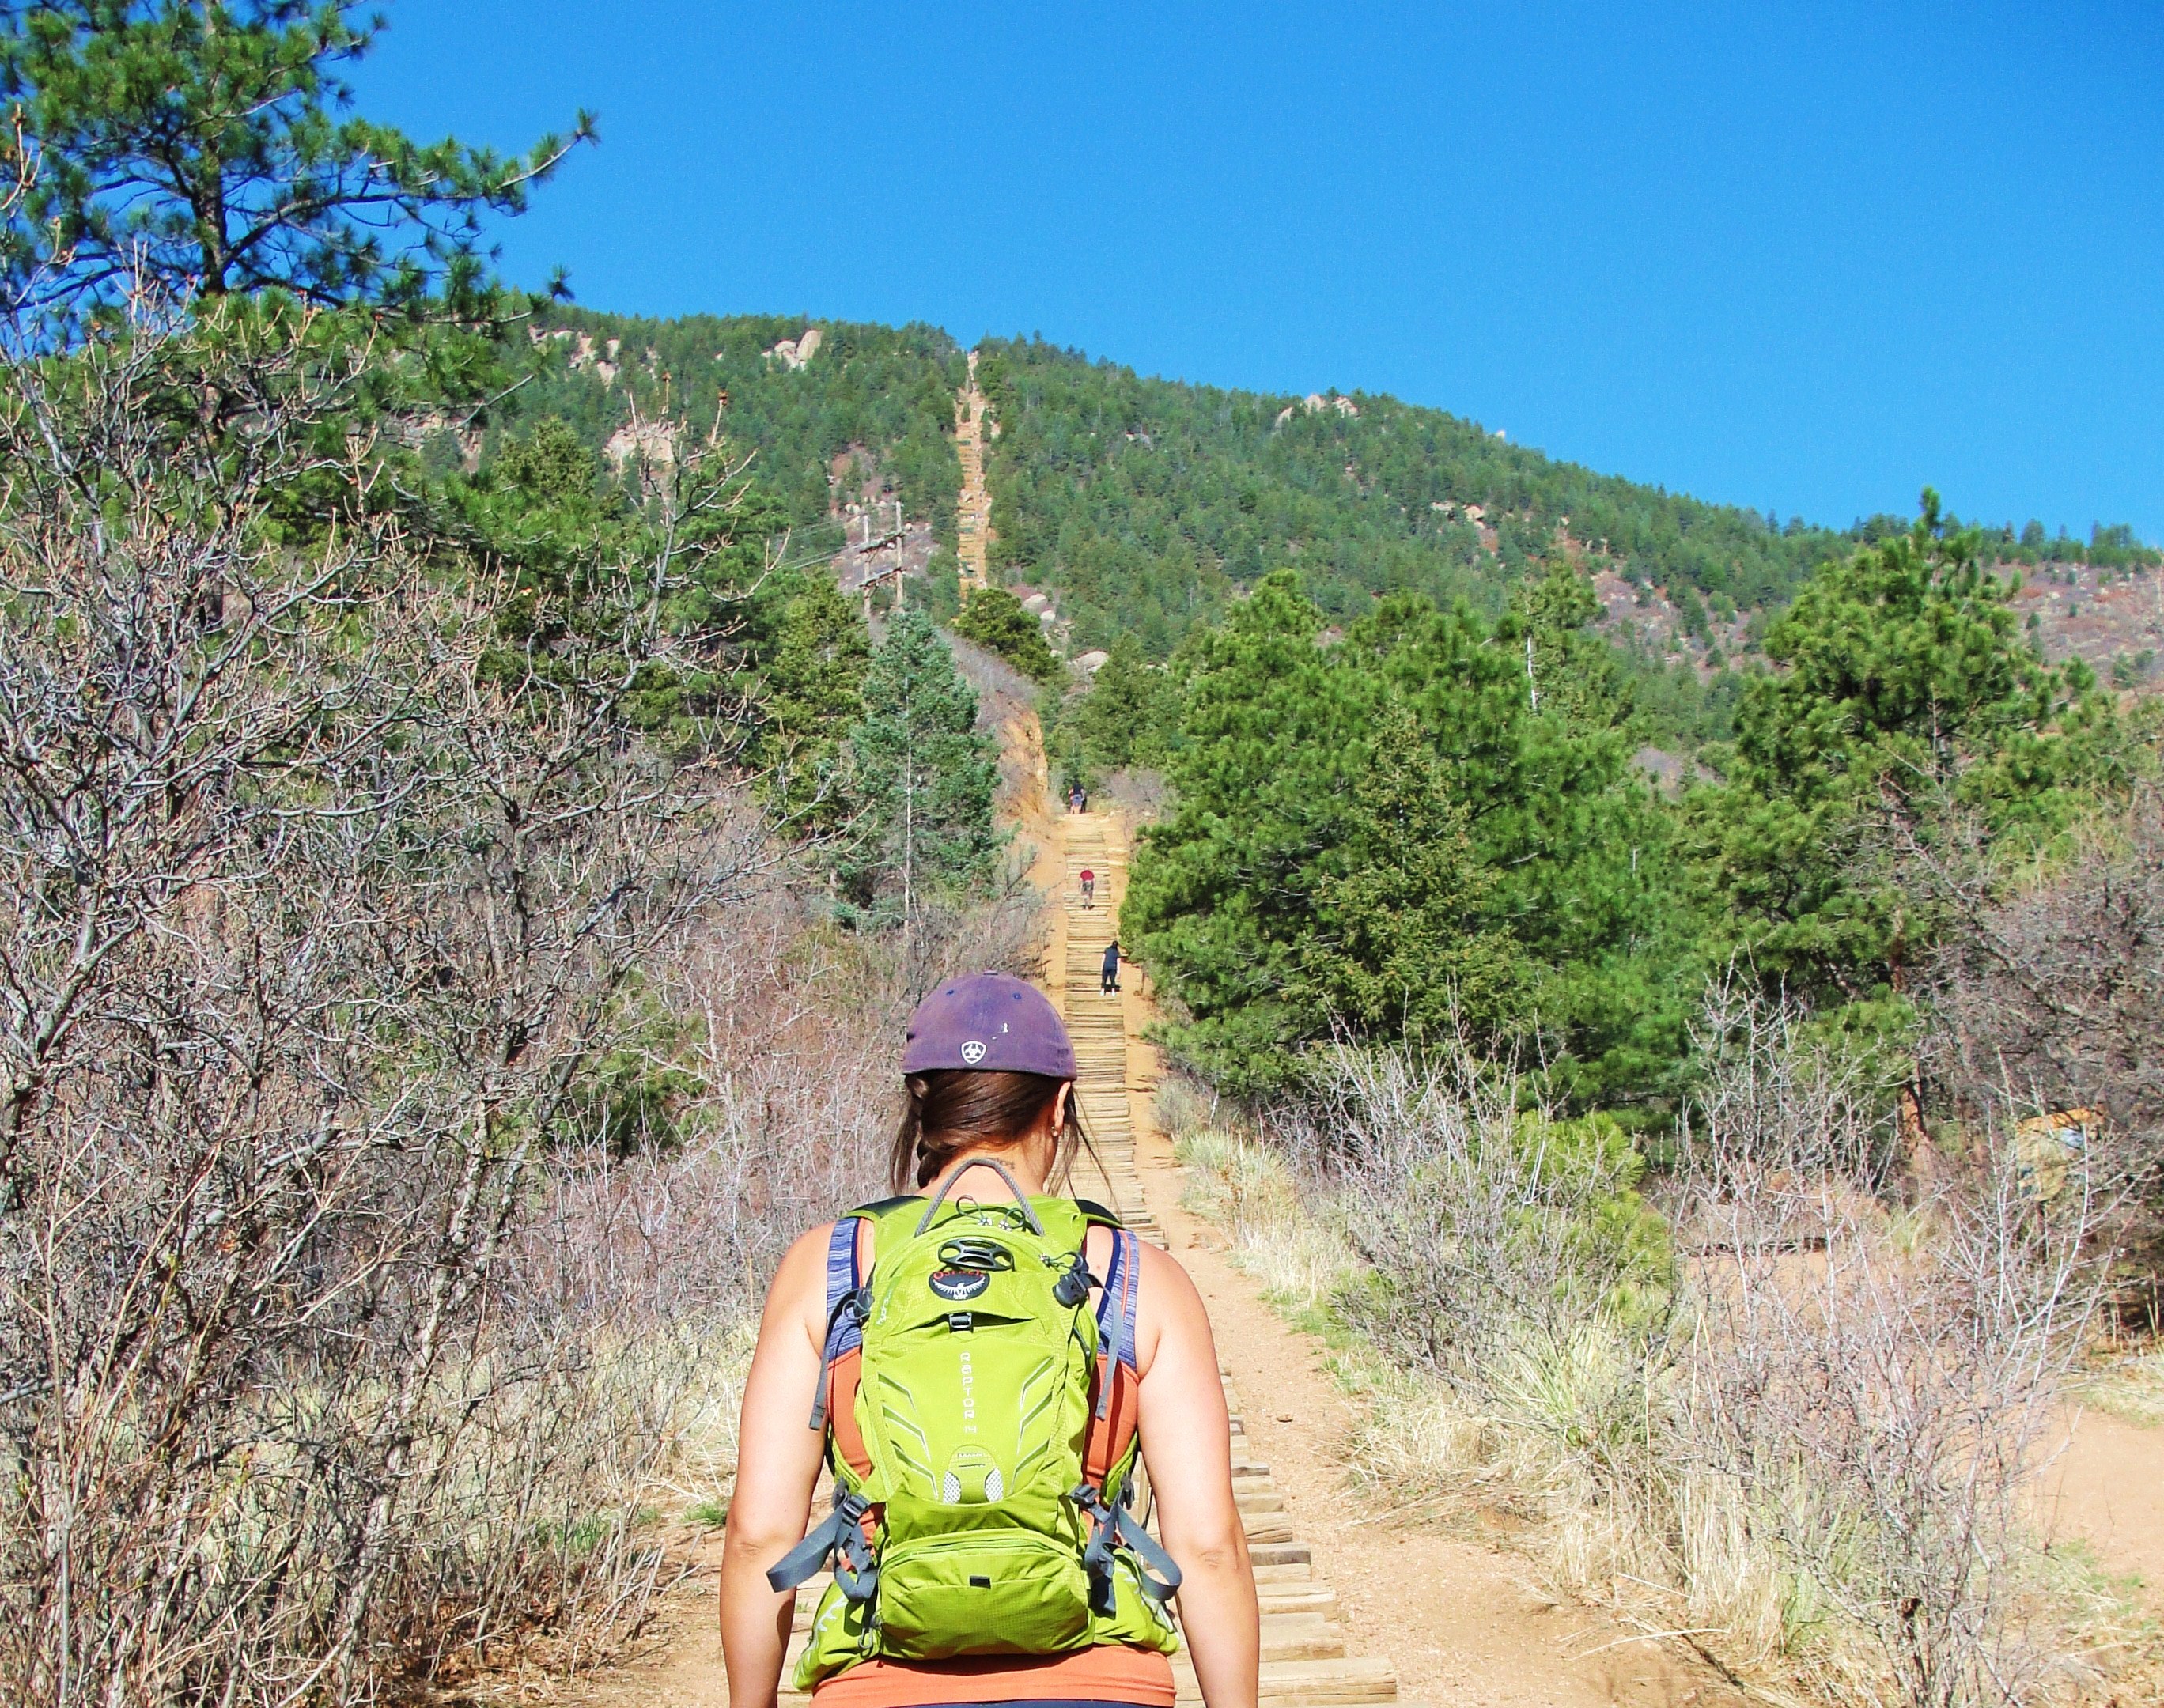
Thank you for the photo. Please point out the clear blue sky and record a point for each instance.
(1803, 258)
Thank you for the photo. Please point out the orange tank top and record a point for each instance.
(1112, 1672)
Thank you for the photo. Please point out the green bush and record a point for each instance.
(994, 620)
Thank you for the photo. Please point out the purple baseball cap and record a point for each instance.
(990, 1021)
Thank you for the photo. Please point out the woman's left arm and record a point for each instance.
(778, 1457)
(1187, 1444)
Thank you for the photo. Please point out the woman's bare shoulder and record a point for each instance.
(1172, 1313)
(1165, 1274)
(799, 1292)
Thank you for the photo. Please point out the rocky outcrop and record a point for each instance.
(794, 352)
(653, 443)
(1315, 403)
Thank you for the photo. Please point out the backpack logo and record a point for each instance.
(972, 1052)
(956, 1285)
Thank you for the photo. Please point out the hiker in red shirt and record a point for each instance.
(1089, 888)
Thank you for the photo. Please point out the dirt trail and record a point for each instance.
(974, 515)
(2105, 1485)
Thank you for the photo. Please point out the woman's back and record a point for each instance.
(959, 1356)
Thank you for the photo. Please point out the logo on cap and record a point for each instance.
(972, 1052)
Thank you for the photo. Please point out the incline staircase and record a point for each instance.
(974, 515)
(1305, 1661)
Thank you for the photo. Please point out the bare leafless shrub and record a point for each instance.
(1818, 1463)
(2047, 993)
(312, 927)
(1870, 1385)
(1516, 1287)
(1483, 1223)
(1773, 1102)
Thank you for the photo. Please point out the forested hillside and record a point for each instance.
(1148, 501)
(888, 391)
(1143, 506)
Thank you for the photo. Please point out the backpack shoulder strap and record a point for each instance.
(1115, 1384)
(1109, 1450)
(848, 1270)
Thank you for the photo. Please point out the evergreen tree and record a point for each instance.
(1906, 698)
(1383, 839)
(1567, 665)
(1127, 716)
(812, 695)
(1403, 943)
(1220, 898)
(200, 143)
(994, 620)
(921, 778)
(570, 538)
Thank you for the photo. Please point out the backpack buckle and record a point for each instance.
(1072, 1289)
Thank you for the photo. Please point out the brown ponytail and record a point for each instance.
(948, 1110)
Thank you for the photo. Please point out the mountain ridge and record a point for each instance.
(1145, 504)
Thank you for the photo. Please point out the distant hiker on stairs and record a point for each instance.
(1108, 980)
(981, 1362)
(1089, 888)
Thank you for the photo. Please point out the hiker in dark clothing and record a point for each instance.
(1110, 980)
(1077, 800)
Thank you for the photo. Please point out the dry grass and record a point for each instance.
(1237, 1185)
(2131, 1387)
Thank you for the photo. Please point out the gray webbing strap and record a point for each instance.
(947, 1185)
(841, 1535)
(1116, 1526)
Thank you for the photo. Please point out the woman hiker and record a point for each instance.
(1108, 979)
(983, 1542)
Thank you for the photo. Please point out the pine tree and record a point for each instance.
(994, 620)
(811, 695)
(1568, 667)
(1907, 700)
(1385, 839)
(921, 778)
(1126, 717)
(569, 539)
(199, 143)
(1404, 943)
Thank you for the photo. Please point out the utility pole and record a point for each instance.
(883, 534)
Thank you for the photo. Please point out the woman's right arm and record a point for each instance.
(778, 1457)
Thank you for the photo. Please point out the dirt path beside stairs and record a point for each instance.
(1356, 1609)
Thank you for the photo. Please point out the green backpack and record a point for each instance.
(980, 1422)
